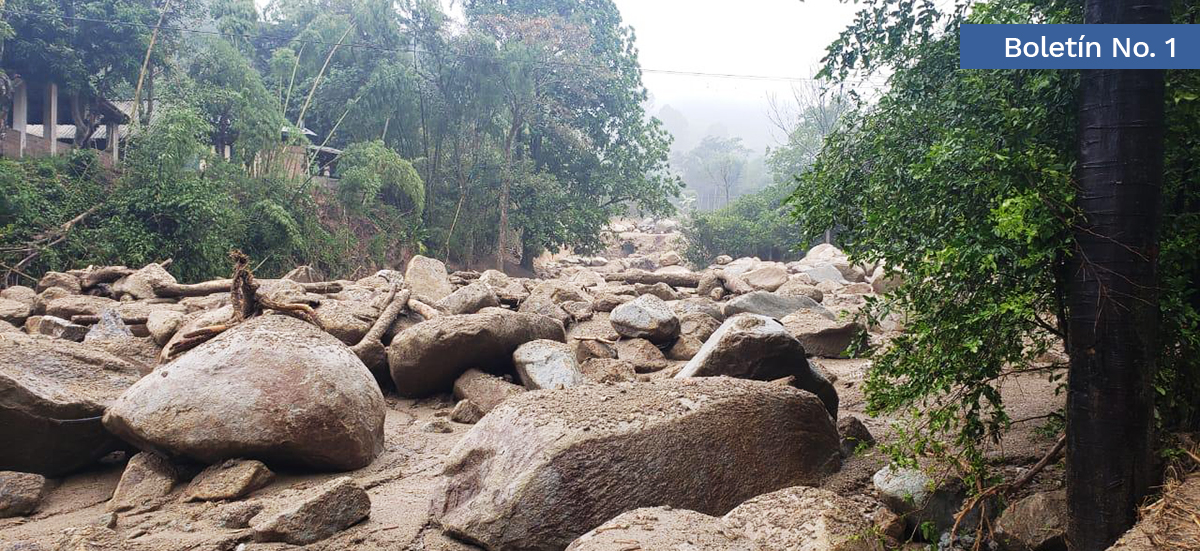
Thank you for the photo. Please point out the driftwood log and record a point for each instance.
(650, 278)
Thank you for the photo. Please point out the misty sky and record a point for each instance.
(783, 38)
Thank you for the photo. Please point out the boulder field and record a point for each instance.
(603, 402)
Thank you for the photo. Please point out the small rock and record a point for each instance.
(466, 412)
(546, 364)
(237, 515)
(646, 317)
(484, 390)
(660, 290)
(663, 528)
(684, 349)
(607, 302)
(19, 293)
(147, 478)
(79, 305)
(162, 325)
(854, 435)
(803, 517)
(820, 335)
(911, 494)
(645, 357)
(53, 326)
(798, 287)
(586, 349)
(107, 520)
(670, 258)
(608, 370)
(232, 479)
(437, 426)
(698, 325)
(304, 274)
(1035, 523)
(723, 260)
(319, 514)
(20, 493)
(578, 310)
(110, 328)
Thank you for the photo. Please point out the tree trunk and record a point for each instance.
(505, 186)
(1113, 302)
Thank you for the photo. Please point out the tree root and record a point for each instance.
(246, 303)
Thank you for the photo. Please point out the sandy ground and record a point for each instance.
(401, 481)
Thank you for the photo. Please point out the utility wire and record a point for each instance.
(376, 47)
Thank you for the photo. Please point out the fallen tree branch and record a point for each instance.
(370, 348)
(224, 286)
(650, 278)
(424, 310)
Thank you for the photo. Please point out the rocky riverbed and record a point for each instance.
(620, 403)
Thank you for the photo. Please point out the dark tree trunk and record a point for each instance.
(1113, 301)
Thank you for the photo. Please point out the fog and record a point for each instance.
(778, 39)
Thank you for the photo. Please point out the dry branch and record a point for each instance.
(638, 276)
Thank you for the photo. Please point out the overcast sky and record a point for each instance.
(783, 38)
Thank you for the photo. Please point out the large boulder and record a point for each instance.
(820, 335)
(426, 358)
(54, 393)
(427, 278)
(64, 281)
(548, 296)
(272, 388)
(749, 346)
(145, 283)
(767, 278)
(349, 321)
(920, 499)
(515, 480)
(646, 317)
(79, 305)
(547, 364)
(469, 299)
(666, 529)
(772, 305)
(805, 519)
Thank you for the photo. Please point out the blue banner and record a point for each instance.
(1079, 47)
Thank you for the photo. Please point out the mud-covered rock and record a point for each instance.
(148, 478)
(233, 479)
(484, 390)
(469, 299)
(771, 305)
(646, 317)
(316, 515)
(756, 347)
(426, 358)
(820, 335)
(54, 394)
(707, 444)
(20, 493)
(546, 364)
(272, 388)
(427, 278)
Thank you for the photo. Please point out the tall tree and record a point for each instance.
(1113, 289)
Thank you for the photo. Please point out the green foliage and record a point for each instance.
(963, 179)
(753, 225)
(372, 173)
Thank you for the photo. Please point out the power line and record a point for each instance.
(376, 47)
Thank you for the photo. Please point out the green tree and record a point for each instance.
(968, 181)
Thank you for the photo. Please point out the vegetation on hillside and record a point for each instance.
(519, 131)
